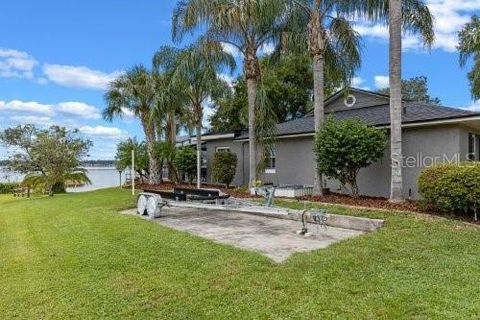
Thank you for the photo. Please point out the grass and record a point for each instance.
(74, 256)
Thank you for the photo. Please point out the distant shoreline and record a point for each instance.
(101, 177)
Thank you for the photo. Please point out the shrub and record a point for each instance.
(451, 188)
(224, 167)
(8, 187)
(186, 162)
(124, 156)
(342, 148)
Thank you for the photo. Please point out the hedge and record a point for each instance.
(224, 167)
(8, 187)
(451, 188)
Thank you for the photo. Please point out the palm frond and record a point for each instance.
(134, 91)
(469, 46)
(78, 176)
(164, 59)
(418, 20)
(342, 54)
(474, 78)
(416, 15)
(36, 181)
(469, 40)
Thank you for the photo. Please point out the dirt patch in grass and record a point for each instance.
(363, 201)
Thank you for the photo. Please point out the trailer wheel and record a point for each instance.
(154, 206)
(142, 205)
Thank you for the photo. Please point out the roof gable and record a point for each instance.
(357, 99)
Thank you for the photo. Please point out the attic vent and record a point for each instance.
(350, 101)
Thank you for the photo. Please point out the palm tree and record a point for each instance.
(469, 45)
(135, 91)
(411, 16)
(196, 73)
(245, 25)
(52, 181)
(170, 99)
(320, 27)
(395, 62)
(169, 106)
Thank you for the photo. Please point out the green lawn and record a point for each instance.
(74, 256)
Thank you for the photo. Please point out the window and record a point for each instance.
(473, 147)
(222, 149)
(350, 101)
(270, 160)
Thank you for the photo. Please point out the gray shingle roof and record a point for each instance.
(377, 116)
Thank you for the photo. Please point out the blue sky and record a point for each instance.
(57, 56)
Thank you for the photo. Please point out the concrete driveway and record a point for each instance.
(272, 237)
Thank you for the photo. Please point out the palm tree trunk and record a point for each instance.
(395, 13)
(317, 48)
(252, 143)
(199, 152)
(172, 138)
(173, 127)
(154, 168)
(319, 109)
(251, 69)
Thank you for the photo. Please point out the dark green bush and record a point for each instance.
(224, 167)
(451, 188)
(186, 162)
(8, 187)
(344, 147)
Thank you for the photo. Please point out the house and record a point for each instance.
(431, 134)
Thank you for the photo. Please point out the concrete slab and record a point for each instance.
(274, 238)
(333, 220)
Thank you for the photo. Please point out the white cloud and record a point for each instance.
(128, 113)
(227, 47)
(372, 30)
(475, 106)
(44, 121)
(29, 107)
(358, 82)
(380, 32)
(450, 16)
(208, 111)
(100, 131)
(72, 108)
(382, 82)
(42, 81)
(78, 76)
(16, 64)
(227, 78)
(267, 49)
(79, 109)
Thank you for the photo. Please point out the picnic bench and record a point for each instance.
(21, 192)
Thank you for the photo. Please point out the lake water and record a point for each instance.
(100, 177)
